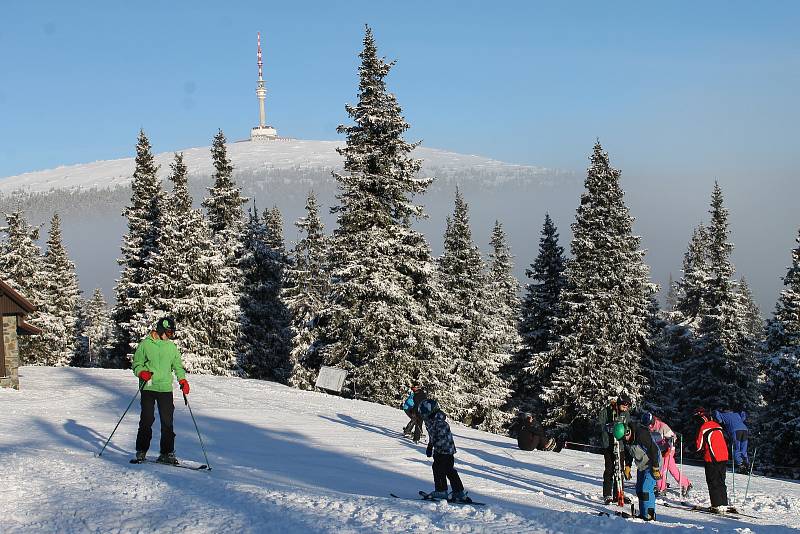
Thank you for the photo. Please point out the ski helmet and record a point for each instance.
(428, 408)
(647, 419)
(165, 325)
(619, 431)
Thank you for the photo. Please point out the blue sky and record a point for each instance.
(690, 85)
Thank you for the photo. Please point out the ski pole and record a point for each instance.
(680, 469)
(186, 402)
(121, 418)
(747, 488)
(733, 472)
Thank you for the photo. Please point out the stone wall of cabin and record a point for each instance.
(11, 351)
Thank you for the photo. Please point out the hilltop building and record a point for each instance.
(262, 132)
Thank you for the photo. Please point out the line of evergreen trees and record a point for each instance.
(371, 298)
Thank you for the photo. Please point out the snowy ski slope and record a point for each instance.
(291, 461)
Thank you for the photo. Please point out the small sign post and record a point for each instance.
(331, 378)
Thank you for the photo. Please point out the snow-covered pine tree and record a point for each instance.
(304, 292)
(671, 298)
(751, 313)
(264, 350)
(503, 314)
(97, 330)
(188, 274)
(538, 324)
(132, 313)
(780, 417)
(380, 322)
(21, 266)
(463, 277)
(60, 304)
(225, 220)
(606, 305)
(722, 371)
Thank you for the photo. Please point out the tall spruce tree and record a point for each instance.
(722, 371)
(61, 302)
(21, 266)
(264, 316)
(380, 323)
(477, 387)
(304, 293)
(97, 329)
(133, 312)
(606, 306)
(751, 314)
(225, 220)
(780, 416)
(188, 274)
(538, 324)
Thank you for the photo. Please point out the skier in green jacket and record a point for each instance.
(154, 361)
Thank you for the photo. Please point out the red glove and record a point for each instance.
(184, 386)
(145, 375)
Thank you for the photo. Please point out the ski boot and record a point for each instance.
(437, 495)
(721, 509)
(141, 456)
(459, 496)
(686, 490)
(608, 499)
(167, 458)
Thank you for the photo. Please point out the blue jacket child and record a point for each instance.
(736, 432)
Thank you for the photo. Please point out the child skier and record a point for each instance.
(616, 412)
(530, 435)
(665, 439)
(442, 448)
(640, 448)
(736, 432)
(711, 442)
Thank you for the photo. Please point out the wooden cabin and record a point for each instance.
(13, 309)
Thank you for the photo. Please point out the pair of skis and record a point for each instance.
(202, 467)
(732, 513)
(427, 497)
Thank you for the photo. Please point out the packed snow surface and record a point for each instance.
(285, 460)
(246, 156)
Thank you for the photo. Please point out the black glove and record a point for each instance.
(429, 450)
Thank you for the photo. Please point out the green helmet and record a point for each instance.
(619, 431)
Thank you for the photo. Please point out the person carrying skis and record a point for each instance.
(711, 442)
(154, 361)
(617, 412)
(414, 398)
(442, 447)
(641, 449)
(530, 435)
(737, 433)
(664, 438)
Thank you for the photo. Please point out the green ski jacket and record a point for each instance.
(160, 357)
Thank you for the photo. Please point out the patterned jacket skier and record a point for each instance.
(440, 439)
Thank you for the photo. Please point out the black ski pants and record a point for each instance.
(165, 411)
(715, 478)
(415, 423)
(609, 487)
(444, 470)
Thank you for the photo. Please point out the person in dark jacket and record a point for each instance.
(442, 447)
(641, 449)
(531, 435)
(414, 398)
(617, 412)
(737, 433)
(711, 442)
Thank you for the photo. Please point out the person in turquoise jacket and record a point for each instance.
(154, 361)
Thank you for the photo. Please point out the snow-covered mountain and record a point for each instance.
(252, 158)
(90, 197)
(285, 460)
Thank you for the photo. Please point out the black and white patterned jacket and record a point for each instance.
(439, 435)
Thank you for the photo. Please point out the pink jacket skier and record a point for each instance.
(665, 439)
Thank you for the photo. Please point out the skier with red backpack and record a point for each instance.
(711, 442)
